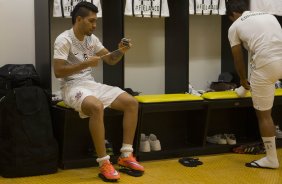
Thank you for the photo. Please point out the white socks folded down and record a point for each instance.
(103, 159)
(125, 150)
(271, 160)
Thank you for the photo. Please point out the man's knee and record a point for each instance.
(264, 116)
(131, 103)
(91, 106)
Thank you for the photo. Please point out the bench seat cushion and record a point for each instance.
(278, 92)
(231, 95)
(223, 95)
(62, 104)
(160, 98)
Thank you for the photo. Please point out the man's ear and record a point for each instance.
(231, 17)
(234, 16)
(78, 18)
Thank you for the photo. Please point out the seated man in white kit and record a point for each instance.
(261, 34)
(76, 51)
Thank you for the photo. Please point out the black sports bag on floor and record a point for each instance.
(27, 144)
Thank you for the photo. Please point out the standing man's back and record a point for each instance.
(261, 35)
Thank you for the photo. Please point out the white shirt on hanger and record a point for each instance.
(207, 7)
(147, 8)
(68, 6)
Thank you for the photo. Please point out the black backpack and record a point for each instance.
(17, 75)
(27, 144)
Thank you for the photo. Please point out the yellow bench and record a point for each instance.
(160, 98)
(223, 95)
(62, 104)
(278, 92)
(178, 120)
(231, 95)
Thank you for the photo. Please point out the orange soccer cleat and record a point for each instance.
(108, 172)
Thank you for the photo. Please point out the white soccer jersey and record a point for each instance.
(269, 6)
(207, 7)
(261, 34)
(63, 8)
(67, 47)
(147, 8)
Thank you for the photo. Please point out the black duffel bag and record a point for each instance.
(27, 143)
(17, 75)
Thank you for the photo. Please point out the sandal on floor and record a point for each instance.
(256, 165)
(190, 162)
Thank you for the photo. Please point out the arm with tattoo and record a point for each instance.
(113, 57)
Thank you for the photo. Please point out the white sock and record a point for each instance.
(102, 160)
(126, 150)
(271, 159)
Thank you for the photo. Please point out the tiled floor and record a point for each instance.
(217, 169)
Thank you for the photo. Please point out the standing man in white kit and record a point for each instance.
(261, 34)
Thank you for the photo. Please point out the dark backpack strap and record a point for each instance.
(2, 99)
(8, 84)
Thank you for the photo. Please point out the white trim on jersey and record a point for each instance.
(269, 6)
(63, 8)
(207, 7)
(146, 8)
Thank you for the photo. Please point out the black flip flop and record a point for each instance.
(253, 164)
(190, 162)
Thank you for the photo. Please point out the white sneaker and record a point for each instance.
(278, 132)
(155, 144)
(217, 139)
(230, 139)
(144, 144)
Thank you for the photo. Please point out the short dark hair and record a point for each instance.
(238, 6)
(82, 9)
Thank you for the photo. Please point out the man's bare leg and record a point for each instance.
(93, 107)
(267, 131)
(129, 106)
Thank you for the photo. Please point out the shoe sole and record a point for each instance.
(106, 179)
(130, 172)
